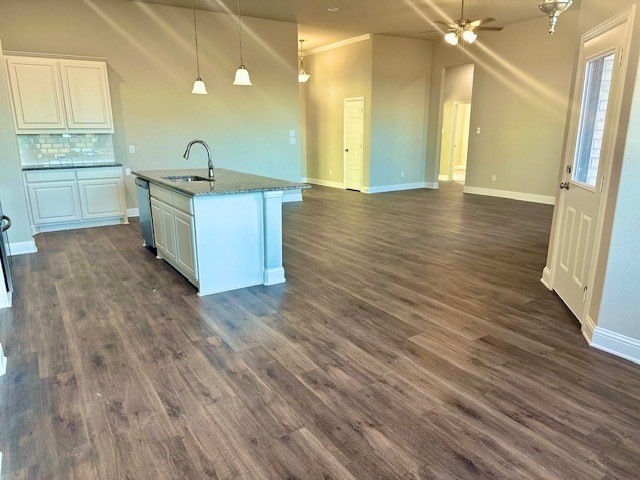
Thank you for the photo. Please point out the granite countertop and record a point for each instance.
(227, 182)
(26, 168)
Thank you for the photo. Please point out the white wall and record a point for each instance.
(522, 83)
(400, 96)
(151, 71)
(12, 194)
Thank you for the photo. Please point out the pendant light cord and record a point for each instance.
(195, 29)
(239, 32)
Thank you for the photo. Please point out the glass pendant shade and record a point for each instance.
(303, 76)
(199, 87)
(242, 77)
(469, 36)
(451, 38)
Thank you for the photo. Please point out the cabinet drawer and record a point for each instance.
(98, 173)
(160, 193)
(49, 176)
(181, 202)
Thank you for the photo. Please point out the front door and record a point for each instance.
(353, 142)
(589, 152)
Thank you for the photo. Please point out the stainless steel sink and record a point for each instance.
(186, 178)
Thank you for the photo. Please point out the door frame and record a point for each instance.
(454, 122)
(344, 142)
(626, 16)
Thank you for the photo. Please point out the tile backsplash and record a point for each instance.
(65, 149)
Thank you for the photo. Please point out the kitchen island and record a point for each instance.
(223, 234)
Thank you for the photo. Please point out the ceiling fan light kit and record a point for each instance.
(553, 9)
(465, 29)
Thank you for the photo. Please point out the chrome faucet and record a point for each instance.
(188, 150)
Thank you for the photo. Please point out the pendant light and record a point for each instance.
(302, 75)
(553, 9)
(199, 87)
(242, 74)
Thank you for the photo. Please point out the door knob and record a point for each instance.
(565, 185)
(346, 149)
(6, 227)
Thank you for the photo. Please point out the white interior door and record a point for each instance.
(353, 142)
(592, 134)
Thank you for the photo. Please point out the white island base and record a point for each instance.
(220, 242)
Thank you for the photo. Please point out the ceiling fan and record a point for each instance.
(465, 28)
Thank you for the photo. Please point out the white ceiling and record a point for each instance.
(406, 18)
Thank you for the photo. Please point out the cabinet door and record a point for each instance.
(168, 232)
(36, 94)
(102, 198)
(185, 244)
(54, 202)
(86, 95)
(158, 230)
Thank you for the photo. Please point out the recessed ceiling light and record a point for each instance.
(332, 9)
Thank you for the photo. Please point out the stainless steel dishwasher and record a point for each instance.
(144, 208)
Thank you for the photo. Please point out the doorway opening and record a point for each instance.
(457, 89)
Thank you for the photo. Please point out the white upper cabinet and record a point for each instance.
(37, 94)
(86, 95)
(53, 96)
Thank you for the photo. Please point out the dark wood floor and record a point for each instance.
(412, 339)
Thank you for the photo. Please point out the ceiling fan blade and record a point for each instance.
(482, 21)
(430, 31)
(489, 29)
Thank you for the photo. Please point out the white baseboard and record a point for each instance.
(546, 278)
(304, 180)
(616, 344)
(3, 362)
(133, 212)
(525, 197)
(432, 185)
(394, 188)
(325, 183)
(292, 196)
(21, 248)
(273, 276)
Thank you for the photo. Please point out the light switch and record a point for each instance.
(292, 141)
(478, 131)
(132, 149)
(292, 133)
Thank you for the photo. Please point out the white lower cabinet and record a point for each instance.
(175, 235)
(75, 198)
(101, 198)
(54, 202)
(185, 239)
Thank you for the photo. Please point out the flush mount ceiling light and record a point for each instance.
(199, 87)
(242, 74)
(302, 75)
(465, 29)
(332, 9)
(553, 9)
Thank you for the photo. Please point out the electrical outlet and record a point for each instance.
(478, 131)
(493, 178)
(127, 172)
(292, 133)
(292, 141)
(132, 149)
(402, 174)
